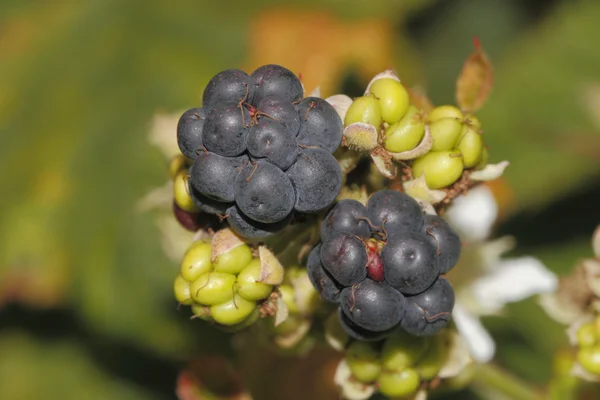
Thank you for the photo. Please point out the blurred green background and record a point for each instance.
(86, 310)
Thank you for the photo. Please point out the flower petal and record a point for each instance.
(474, 214)
(512, 280)
(479, 342)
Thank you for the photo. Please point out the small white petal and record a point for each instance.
(479, 342)
(474, 214)
(316, 92)
(341, 103)
(163, 133)
(512, 280)
(490, 172)
(351, 389)
(458, 359)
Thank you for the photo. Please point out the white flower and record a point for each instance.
(501, 281)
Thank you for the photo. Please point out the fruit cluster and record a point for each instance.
(398, 365)
(260, 151)
(382, 264)
(224, 287)
(588, 339)
(441, 143)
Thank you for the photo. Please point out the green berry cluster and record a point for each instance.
(441, 143)
(224, 288)
(588, 339)
(399, 365)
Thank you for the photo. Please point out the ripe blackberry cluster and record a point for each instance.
(260, 151)
(382, 265)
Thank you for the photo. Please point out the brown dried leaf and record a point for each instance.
(475, 81)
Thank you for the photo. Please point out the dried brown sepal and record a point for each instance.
(475, 80)
(223, 242)
(383, 162)
(271, 270)
(422, 148)
(458, 188)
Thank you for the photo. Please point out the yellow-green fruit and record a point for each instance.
(181, 288)
(248, 321)
(393, 99)
(407, 133)
(213, 288)
(445, 133)
(233, 311)
(363, 360)
(399, 384)
(470, 145)
(589, 358)
(181, 192)
(196, 261)
(483, 161)
(441, 168)
(248, 285)
(472, 121)
(364, 109)
(587, 335)
(442, 112)
(234, 260)
(202, 312)
(177, 164)
(287, 294)
(434, 358)
(402, 351)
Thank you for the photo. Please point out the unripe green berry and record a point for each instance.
(196, 261)
(364, 109)
(587, 335)
(407, 133)
(442, 112)
(483, 161)
(473, 122)
(441, 168)
(234, 260)
(402, 351)
(363, 360)
(177, 164)
(248, 321)
(233, 311)
(399, 384)
(445, 133)
(202, 312)
(470, 145)
(181, 288)
(393, 99)
(287, 294)
(434, 359)
(248, 285)
(181, 192)
(213, 288)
